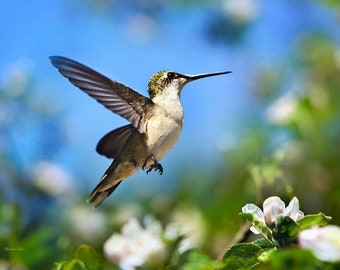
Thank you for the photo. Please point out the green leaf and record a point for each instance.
(74, 264)
(86, 258)
(241, 256)
(263, 243)
(193, 260)
(285, 225)
(259, 225)
(285, 231)
(294, 259)
(309, 221)
(266, 254)
(40, 237)
(89, 257)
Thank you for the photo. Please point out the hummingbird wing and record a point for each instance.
(115, 96)
(111, 144)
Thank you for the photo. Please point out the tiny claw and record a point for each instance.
(155, 166)
(159, 167)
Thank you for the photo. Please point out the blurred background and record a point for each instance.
(272, 127)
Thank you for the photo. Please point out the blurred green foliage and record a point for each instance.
(85, 258)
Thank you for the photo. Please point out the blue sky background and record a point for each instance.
(126, 45)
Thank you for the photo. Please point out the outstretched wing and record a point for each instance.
(115, 96)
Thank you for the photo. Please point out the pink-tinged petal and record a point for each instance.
(272, 208)
(324, 242)
(292, 210)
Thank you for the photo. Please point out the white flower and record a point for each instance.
(292, 210)
(258, 214)
(89, 225)
(273, 207)
(282, 109)
(324, 242)
(137, 246)
(187, 222)
(52, 178)
(241, 11)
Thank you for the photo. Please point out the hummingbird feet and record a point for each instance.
(154, 166)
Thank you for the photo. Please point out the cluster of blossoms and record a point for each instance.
(324, 242)
(136, 246)
(147, 245)
(150, 246)
(273, 207)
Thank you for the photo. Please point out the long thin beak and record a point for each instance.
(201, 76)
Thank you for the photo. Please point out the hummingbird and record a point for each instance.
(155, 122)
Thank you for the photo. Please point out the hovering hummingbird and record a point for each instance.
(156, 122)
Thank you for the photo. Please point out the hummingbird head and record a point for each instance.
(170, 82)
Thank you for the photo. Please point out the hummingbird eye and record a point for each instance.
(171, 75)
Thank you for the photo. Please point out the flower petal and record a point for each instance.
(272, 208)
(253, 209)
(292, 210)
(257, 214)
(254, 230)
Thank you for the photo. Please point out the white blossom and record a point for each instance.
(136, 246)
(89, 225)
(282, 109)
(52, 178)
(292, 210)
(323, 241)
(241, 11)
(187, 222)
(253, 209)
(273, 207)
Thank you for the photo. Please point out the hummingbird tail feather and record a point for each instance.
(97, 197)
(113, 176)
